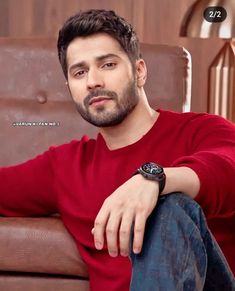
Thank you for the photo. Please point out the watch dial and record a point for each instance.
(152, 168)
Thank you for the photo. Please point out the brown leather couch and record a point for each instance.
(38, 253)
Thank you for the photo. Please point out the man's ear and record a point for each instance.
(67, 85)
(141, 72)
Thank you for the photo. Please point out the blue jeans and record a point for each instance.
(179, 252)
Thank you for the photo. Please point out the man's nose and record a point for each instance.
(94, 80)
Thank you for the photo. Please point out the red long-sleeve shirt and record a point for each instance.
(75, 178)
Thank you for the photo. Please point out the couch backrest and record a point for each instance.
(32, 89)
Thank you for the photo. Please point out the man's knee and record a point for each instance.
(176, 221)
(182, 208)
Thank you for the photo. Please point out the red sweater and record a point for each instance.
(75, 178)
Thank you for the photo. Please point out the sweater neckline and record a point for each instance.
(142, 140)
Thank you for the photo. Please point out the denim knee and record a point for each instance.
(179, 250)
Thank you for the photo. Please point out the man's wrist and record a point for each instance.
(154, 172)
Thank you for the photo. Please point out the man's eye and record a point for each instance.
(79, 74)
(109, 65)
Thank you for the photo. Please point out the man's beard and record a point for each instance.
(124, 104)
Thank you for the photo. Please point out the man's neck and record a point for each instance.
(133, 127)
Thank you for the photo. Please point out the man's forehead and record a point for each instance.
(93, 47)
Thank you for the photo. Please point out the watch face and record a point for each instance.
(152, 168)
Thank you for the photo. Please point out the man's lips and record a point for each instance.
(99, 99)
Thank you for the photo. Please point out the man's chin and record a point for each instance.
(104, 120)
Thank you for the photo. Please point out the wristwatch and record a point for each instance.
(155, 172)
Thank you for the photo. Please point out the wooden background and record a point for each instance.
(156, 21)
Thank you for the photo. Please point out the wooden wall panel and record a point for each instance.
(161, 19)
(20, 19)
(155, 21)
(41, 18)
(4, 18)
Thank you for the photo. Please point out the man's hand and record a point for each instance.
(130, 204)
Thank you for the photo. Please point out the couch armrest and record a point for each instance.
(41, 245)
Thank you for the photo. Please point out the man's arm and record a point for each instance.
(133, 202)
(27, 189)
(207, 175)
(181, 179)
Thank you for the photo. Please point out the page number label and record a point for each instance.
(215, 14)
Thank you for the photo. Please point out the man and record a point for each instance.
(111, 192)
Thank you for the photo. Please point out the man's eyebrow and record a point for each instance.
(77, 65)
(98, 59)
(106, 56)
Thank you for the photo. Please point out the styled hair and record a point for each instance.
(89, 22)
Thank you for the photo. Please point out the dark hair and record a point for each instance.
(94, 21)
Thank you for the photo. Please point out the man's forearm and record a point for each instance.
(181, 179)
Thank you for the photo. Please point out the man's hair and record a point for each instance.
(90, 22)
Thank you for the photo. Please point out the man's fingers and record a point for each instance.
(139, 227)
(112, 233)
(99, 228)
(124, 233)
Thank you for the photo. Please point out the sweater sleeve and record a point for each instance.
(212, 156)
(27, 189)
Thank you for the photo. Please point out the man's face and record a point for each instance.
(101, 80)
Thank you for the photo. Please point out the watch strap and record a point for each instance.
(160, 178)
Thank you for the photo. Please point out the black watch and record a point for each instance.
(155, 172)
